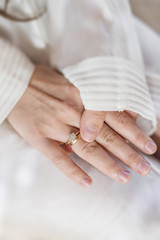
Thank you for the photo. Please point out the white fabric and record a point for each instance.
(95, 45)
(39, 202)
(150, 45)
(97, 40)
(15, 72)
(113, 84)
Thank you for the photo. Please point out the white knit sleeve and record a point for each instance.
(15, 73)
(96, 47)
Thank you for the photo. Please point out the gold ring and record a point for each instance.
(73, 138)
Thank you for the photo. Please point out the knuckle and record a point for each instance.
(39, 129)
(109, 137)
(121, 118)
(67, 108)
(90, 148)
(74, 174)
(139, 137)
(56, 159)
(132, 158)
(63, 110)
(111, 168)
(76, 113)
(99, 115)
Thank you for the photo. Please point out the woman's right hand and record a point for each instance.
(51, 109)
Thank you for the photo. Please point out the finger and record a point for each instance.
(132, 114)
(115, 144)
(91, 124)
(59, 132)
(98, 157)
(123, 124)
(63, 162)
(67, 148)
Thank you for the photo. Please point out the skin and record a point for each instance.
(51, 109)
(156, 138)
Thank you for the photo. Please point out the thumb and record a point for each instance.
(91, 124)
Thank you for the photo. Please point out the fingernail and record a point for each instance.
(86, 182)
(124, 176)
(144, 168)
(90, 134)
(150, 146)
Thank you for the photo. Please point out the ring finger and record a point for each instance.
(94, 154)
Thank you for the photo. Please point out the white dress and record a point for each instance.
(36, 200)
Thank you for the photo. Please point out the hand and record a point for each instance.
(50, 110)
(156, 138)
(124, 123)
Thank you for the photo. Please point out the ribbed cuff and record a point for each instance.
(15, 72)
(113, 84)
(153, 80)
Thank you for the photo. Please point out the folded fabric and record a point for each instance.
(95, 45)
(150, 46)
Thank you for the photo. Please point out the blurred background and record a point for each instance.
(148, 11)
